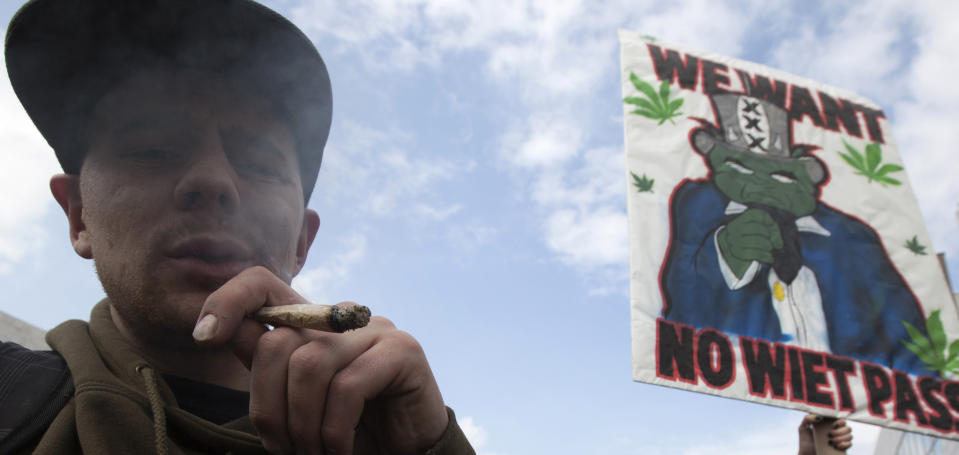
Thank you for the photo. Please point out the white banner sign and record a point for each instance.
(777, 251)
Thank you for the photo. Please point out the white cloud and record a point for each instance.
(935, 63)
(316, 283)
(864, 48)
(718, 27)
(541, 142)
(588, 239)
(926, 121)
(375, 31)
(401, 34)
(585, 222)
(477, 435)
(583, 194)
(433, 213)
(901, 54)
(928, 129)
(24, 194)
(374, 171)
(858, 48)
(596, 179)
(555, 55)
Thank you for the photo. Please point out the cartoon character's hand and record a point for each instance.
(751, 236)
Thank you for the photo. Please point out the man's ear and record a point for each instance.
(66, 190)
(311, 224)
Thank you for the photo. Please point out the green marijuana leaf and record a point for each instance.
(915, 246)
(868, 165)
(655, 105)
(643, 184)
(932, 349)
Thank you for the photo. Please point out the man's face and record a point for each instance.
(189, 179)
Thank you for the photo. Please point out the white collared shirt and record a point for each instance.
(798, 304)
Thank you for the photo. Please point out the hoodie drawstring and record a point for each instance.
(156, 406)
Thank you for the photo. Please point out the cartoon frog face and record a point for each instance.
(751, 179)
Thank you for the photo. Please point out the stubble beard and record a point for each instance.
(150, 313)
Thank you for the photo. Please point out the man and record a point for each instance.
(191, 135)
(753, 251)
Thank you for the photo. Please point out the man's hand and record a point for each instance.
(840, 435)
(751, 236)
(309, 389)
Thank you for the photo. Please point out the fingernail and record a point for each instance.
(206, 328)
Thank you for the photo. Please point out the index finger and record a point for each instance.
(225, 309)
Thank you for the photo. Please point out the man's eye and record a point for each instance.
(260, 170)
(738, 167)
(783, 177)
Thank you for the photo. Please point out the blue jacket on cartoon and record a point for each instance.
(864, 299)
(754, 252)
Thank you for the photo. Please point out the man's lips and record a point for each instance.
(210, 261)
(209, 248)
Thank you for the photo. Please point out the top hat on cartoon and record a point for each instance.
(757, 127)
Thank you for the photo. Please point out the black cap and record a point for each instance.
(64, 55)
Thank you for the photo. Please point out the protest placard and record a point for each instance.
(777, 252)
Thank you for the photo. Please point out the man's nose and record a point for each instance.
(209, 183)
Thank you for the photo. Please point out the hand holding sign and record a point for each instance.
(824, 436)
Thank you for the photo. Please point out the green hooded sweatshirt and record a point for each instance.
(121, 405)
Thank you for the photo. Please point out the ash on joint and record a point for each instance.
(349, 318)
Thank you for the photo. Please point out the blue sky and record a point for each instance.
(473, 191)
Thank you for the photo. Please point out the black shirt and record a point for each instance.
(211, 402)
